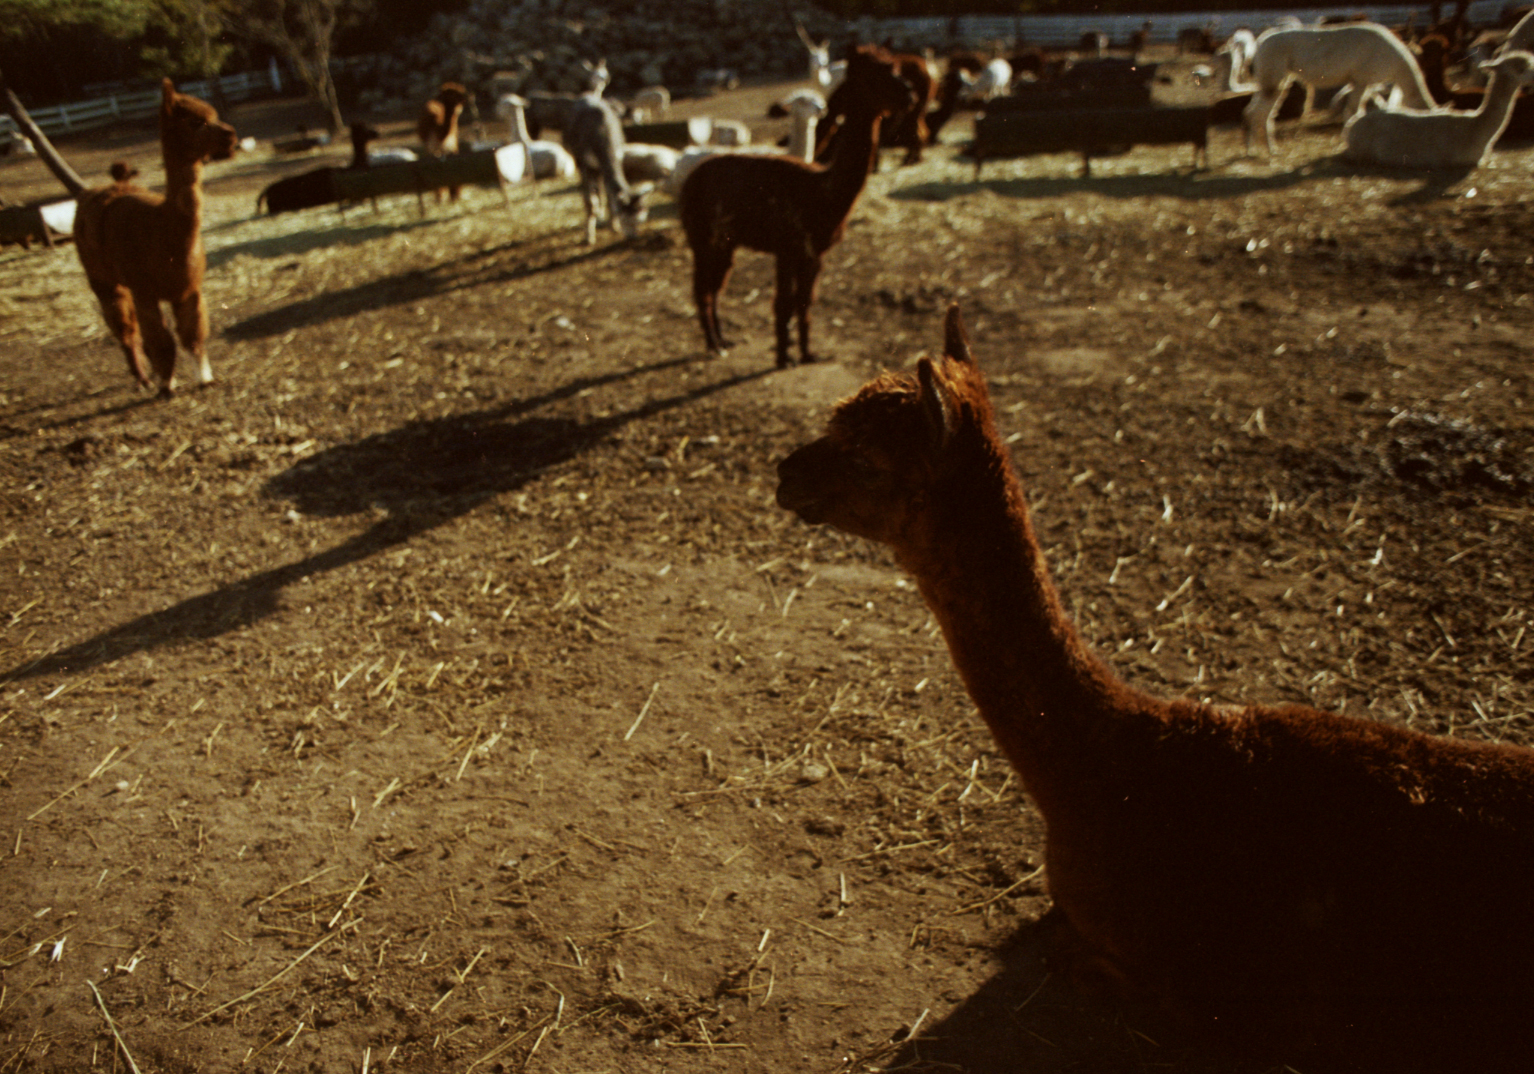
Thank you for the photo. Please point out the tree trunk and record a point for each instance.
(50, 156)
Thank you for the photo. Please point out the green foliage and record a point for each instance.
(51, 49)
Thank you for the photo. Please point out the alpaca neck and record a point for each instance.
(857, 153)
(183, 190)
(1046, 698)
(1497, 106)
(519, 132)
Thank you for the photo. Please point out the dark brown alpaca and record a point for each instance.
(140, 249)
(438, 124)
(905, 128)
(1349, 895)
(791, 209)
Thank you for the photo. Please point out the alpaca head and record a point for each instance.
(872, 76)
(631, 210)
(889, 451)
(190, 129)
(1517, 67)
(453, 97)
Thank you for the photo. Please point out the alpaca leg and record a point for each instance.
(808, 273)
(785, 303)
(122, 322)
(159, 344)
(192, 330)
(1259, 116)
(593, 211)
(710, 272)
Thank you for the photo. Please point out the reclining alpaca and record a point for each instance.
(1356, 55)
(317, 186)
(806, 107)
(1413, 139)
(547, 160)
(791, 209)
(140, 249)
(1347, 894)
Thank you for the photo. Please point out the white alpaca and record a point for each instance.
(648, 103)
(994, 80)
(1410, 138)
(805, 106)
(1234, 60)
(826, 74)
(1521, 37)
(542, 160)
(646, 163)
(1357, 55)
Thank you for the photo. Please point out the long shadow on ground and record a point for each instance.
(1024, 1019)
(475, 269)
(423, 474)
(1196, 186)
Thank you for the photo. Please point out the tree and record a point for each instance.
(302, 31)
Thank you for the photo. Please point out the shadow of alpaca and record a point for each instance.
(418, 476)
(1025, 1019)
(334, 232)
(1190, 186)
(483, 267)
(1435, 183)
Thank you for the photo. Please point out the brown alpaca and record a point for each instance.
(140, 249)
(906, 128)
(438, 125)
(1347, 894)
(791, 209)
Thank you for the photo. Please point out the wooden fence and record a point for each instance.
(102, 111)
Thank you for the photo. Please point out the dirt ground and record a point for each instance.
(442, 690)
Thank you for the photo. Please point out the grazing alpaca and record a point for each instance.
(1348, 894)
(595, 138)
(140, 249)
(1403, 138)
(1354, 55)
(438, 124)
(791, 209)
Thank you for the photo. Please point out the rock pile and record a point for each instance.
(495, 46)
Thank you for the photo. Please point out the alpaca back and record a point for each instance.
(1328, 56)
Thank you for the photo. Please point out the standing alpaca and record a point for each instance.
(1348, 894)
(905, 128)
(438, 125)
(1412, 139)
(140, 249)
(1355, 55)
(791, 209)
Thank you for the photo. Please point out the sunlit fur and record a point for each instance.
(140, 249)
(1335, 892)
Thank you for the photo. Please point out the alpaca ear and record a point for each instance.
(936, 403)
(955, 339)
(167, 94)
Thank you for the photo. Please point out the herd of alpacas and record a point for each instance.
(1332, 891)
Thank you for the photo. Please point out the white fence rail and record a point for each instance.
(102, 111)
(1062, 31)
